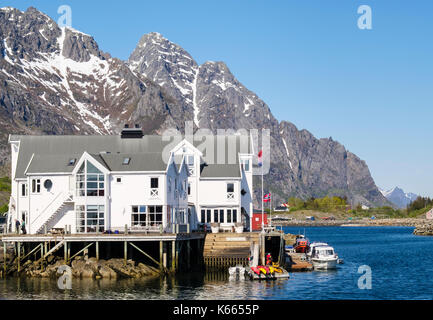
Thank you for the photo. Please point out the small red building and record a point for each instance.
(257, 220)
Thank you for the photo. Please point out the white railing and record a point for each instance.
(154, 193)
(49, 210)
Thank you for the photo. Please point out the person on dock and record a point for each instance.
(23, 227)
(268, 259)
(17, 226)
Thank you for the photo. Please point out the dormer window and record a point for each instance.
(126, 161)
(245, 163)
(72, 162)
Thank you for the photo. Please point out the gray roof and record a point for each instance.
(139, 162)
(51, 154)
(221, 171)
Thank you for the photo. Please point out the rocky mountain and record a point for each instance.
(56, 81)
(398, 197)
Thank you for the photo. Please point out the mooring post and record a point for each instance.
(65, 251)
(161, 251)
(125, 249)
(19, 257)
(177, 255)
(69, 253)
(173, 256)
(4, 258)
(188, 254)
(97, 250)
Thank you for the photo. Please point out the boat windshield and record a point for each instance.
(326, 252)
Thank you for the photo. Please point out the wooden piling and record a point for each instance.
(65, 252)
(188, 254)
(161, 252)
(97, 250)
(19, 257)
(177, 255)
(69, 253)
(125, 252)
(4, 258)
(173, 256)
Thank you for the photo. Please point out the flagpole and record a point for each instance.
(263, 210)
(270, 206)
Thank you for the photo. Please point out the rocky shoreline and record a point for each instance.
(84, 268)
(404, 222)
(425, 229)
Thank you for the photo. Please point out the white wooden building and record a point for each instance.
(104, 183)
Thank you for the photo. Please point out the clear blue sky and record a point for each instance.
(371, 90)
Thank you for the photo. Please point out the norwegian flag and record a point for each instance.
(285, 205)
(260, 158)
(267, 198)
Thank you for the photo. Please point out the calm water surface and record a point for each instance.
(401, 264)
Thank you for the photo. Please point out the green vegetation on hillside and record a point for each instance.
(340, 206)
(5, 190)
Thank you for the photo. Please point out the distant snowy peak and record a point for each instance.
(399, 197)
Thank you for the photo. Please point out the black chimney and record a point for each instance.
(132, 133)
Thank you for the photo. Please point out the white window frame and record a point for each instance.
(26, 190)
(36, 186)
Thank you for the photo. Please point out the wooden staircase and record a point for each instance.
(224, 250)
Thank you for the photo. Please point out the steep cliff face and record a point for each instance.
(213, 98)
(56, 81)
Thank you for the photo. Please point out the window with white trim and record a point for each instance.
(24, 190)
(245, 165)
(154, 187)
(36, 186)
(230, 191)
(90, 218)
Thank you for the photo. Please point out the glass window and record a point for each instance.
(230, 187)
(139, 216)
(126, 161)
(190, 161)
(90, 218)
(208, 216)
(72, 162)
(90, 181)
(203, 216)
(36, 186)
(154, 183)
(189, 189)
(221, 215)
(215, 216)
(245, 164)
(235, 215)
(24, 190)
(229, 216)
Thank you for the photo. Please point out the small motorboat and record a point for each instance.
(301, 244)
(324, 258)
(314, 245)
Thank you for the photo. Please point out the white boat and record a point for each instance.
(324, 258)
(314, 245)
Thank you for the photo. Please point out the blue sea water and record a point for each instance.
(401, 268)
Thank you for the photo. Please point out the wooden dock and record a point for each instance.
(297, 262)
(223, 250)
(169, 252)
